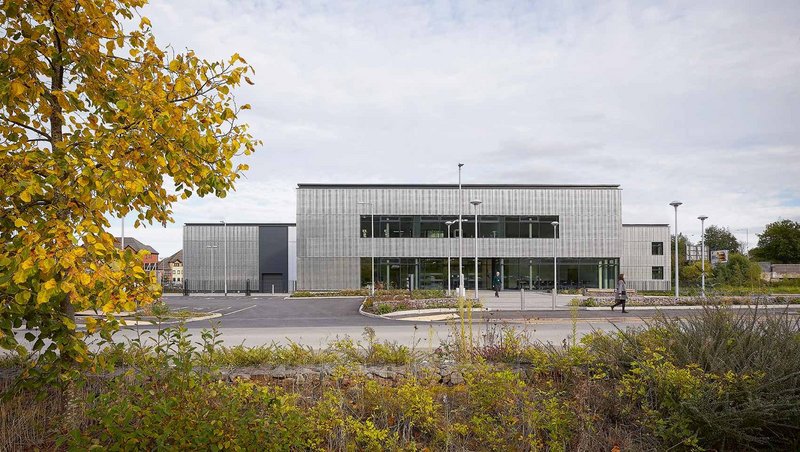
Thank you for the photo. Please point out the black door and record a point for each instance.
(268, 280)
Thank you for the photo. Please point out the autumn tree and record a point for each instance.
(97, 121)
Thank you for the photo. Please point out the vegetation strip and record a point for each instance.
(695, 383)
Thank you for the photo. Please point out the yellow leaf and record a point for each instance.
(20, 223)
(42, 297)
(25, 196)
(145, 21)
(91, 324)
(17, 88)
(20, 277)
(50, 284)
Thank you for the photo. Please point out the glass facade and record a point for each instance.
(516, 273)
(418, 226)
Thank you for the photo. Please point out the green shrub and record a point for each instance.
(187, 413)
(331, 293)
(720, 379)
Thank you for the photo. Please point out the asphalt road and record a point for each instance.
(277, 312)
(315, 322)
(261, 320)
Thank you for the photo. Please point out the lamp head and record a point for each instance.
(675, 204)
(554, 223)
(702, 218)
(460, 165)
(449, 223)
(475, 202)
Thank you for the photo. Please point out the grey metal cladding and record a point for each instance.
(204, 248)
(638, 260)
(329, 247)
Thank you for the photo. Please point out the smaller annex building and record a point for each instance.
(412, 231)
(259, 257)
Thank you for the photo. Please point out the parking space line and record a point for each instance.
(240, 310)
(220, 309)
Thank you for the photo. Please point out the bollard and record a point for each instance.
(522, 299)
(247, 288)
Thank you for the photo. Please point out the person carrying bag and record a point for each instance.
(620, 295)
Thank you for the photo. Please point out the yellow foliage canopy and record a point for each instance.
(92, 119)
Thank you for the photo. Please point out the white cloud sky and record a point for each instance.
(695, 101)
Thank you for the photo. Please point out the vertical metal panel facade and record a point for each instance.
(204, 256)
(328, 221)
(638, 259)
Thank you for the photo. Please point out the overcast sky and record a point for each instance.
(697, 101)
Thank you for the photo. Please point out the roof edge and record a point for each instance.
(454, 186)
(240, 224)
(645, 224)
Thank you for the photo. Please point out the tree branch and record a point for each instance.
(25, 126)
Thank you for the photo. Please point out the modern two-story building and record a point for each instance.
(405, 228)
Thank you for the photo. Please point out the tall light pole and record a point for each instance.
(476, 203)
(212, 248)
(702, 219)
(461, 291)
(555, 263)
(225, 258)
(675, 204)
(448, 223)
(371, 245)
(122, 239)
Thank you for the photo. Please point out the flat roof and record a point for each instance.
(645, 224)
(240, 224)
(452, 186)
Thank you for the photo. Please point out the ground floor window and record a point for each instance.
(658, 272)
(516, 273)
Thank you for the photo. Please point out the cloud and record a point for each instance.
(696, 101)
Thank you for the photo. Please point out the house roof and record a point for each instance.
(134, 244)
(177, 257)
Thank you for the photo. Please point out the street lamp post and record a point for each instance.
(555, 263)
(476, 203)
(702, 219)
(461, 291)
(225, 256)
(675, 204)
(448, 223)
(214, 283)
(371, 245)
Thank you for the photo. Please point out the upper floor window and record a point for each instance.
(418, 226)
(658, 248)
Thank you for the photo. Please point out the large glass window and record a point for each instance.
(518, 227)
(516, 273)
(489, 227)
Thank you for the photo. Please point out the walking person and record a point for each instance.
(496, 284)
(620, 295)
